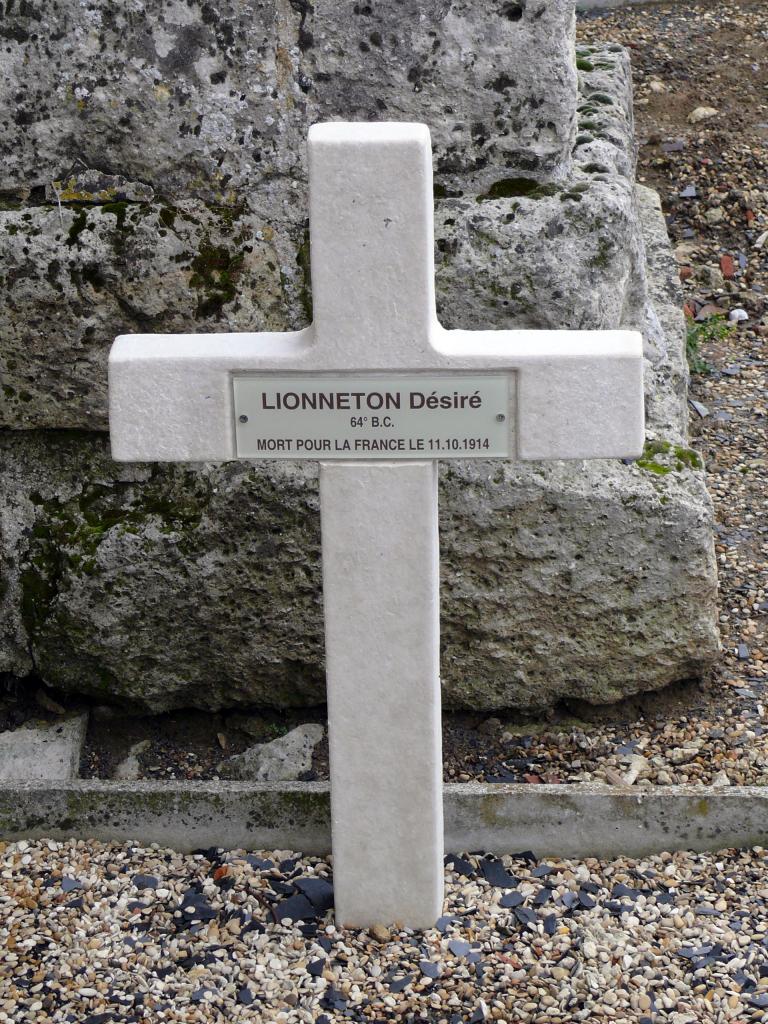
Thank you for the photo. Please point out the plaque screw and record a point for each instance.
(500, 417)
(243, 418)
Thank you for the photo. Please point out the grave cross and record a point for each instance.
(378, 391)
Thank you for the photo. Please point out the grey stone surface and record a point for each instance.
(501, 819)
(172, 586)
(40, 751)
(76, 277)
(209, 99)
(284, 759)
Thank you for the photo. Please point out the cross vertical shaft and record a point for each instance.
(381, 593)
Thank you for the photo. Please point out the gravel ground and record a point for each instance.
(95, 933)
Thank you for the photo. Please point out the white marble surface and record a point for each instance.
(380, 547)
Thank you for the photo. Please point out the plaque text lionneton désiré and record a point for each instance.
(375, 400)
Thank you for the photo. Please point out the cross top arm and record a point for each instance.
(572, 394)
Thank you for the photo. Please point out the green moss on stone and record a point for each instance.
(79, 224)
(675, 458)
(214, 274)
(118, 210)
(305, 266)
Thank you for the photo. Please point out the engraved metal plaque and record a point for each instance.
(392, 416)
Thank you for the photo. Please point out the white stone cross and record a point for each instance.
(567, 395)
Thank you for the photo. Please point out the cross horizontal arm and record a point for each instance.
(578, 393)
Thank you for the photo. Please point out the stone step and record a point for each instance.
(43, 751)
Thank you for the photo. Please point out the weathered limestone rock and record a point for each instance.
(77, 276)
(284, 759)
(207, 99)
(560, 253)
(171, 586)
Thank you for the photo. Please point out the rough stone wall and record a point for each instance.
(153, 163)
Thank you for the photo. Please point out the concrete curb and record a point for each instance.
(566, 821)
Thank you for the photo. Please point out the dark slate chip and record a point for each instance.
(70, 884)
(742, 652)
(333, 1000)
(136, 905)
(550, 924)
(665, 897)
(199, 995)
(703, 964)
(525, 915)
(100, 1018)
(444, 923)
(626, 748)
(570, 900)
(195, 907)
(211, 853)
(479, 971)
(705, 911)
(458, 947)
(619, 908)
(325, 943)
(318, 891)
(316, 968)
(287, 866)
(77, 904)
(760, 1002)
(541, 897)
(620, 890)
(259, 863)
(763, 970)
(585, 900)
(322, 1019)
(500, 780)
(145, 881)
(696, 953)
(527, 855)
(297, 908)
(541, 871)
(309, 931)
(281, 888)
(245, 996)
(460, 865)
(511, 899)
(495, 873)
(592, 887)
(400, 983)
(429, 969)
(253, 926)
(474, 957)
(477, 1017)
